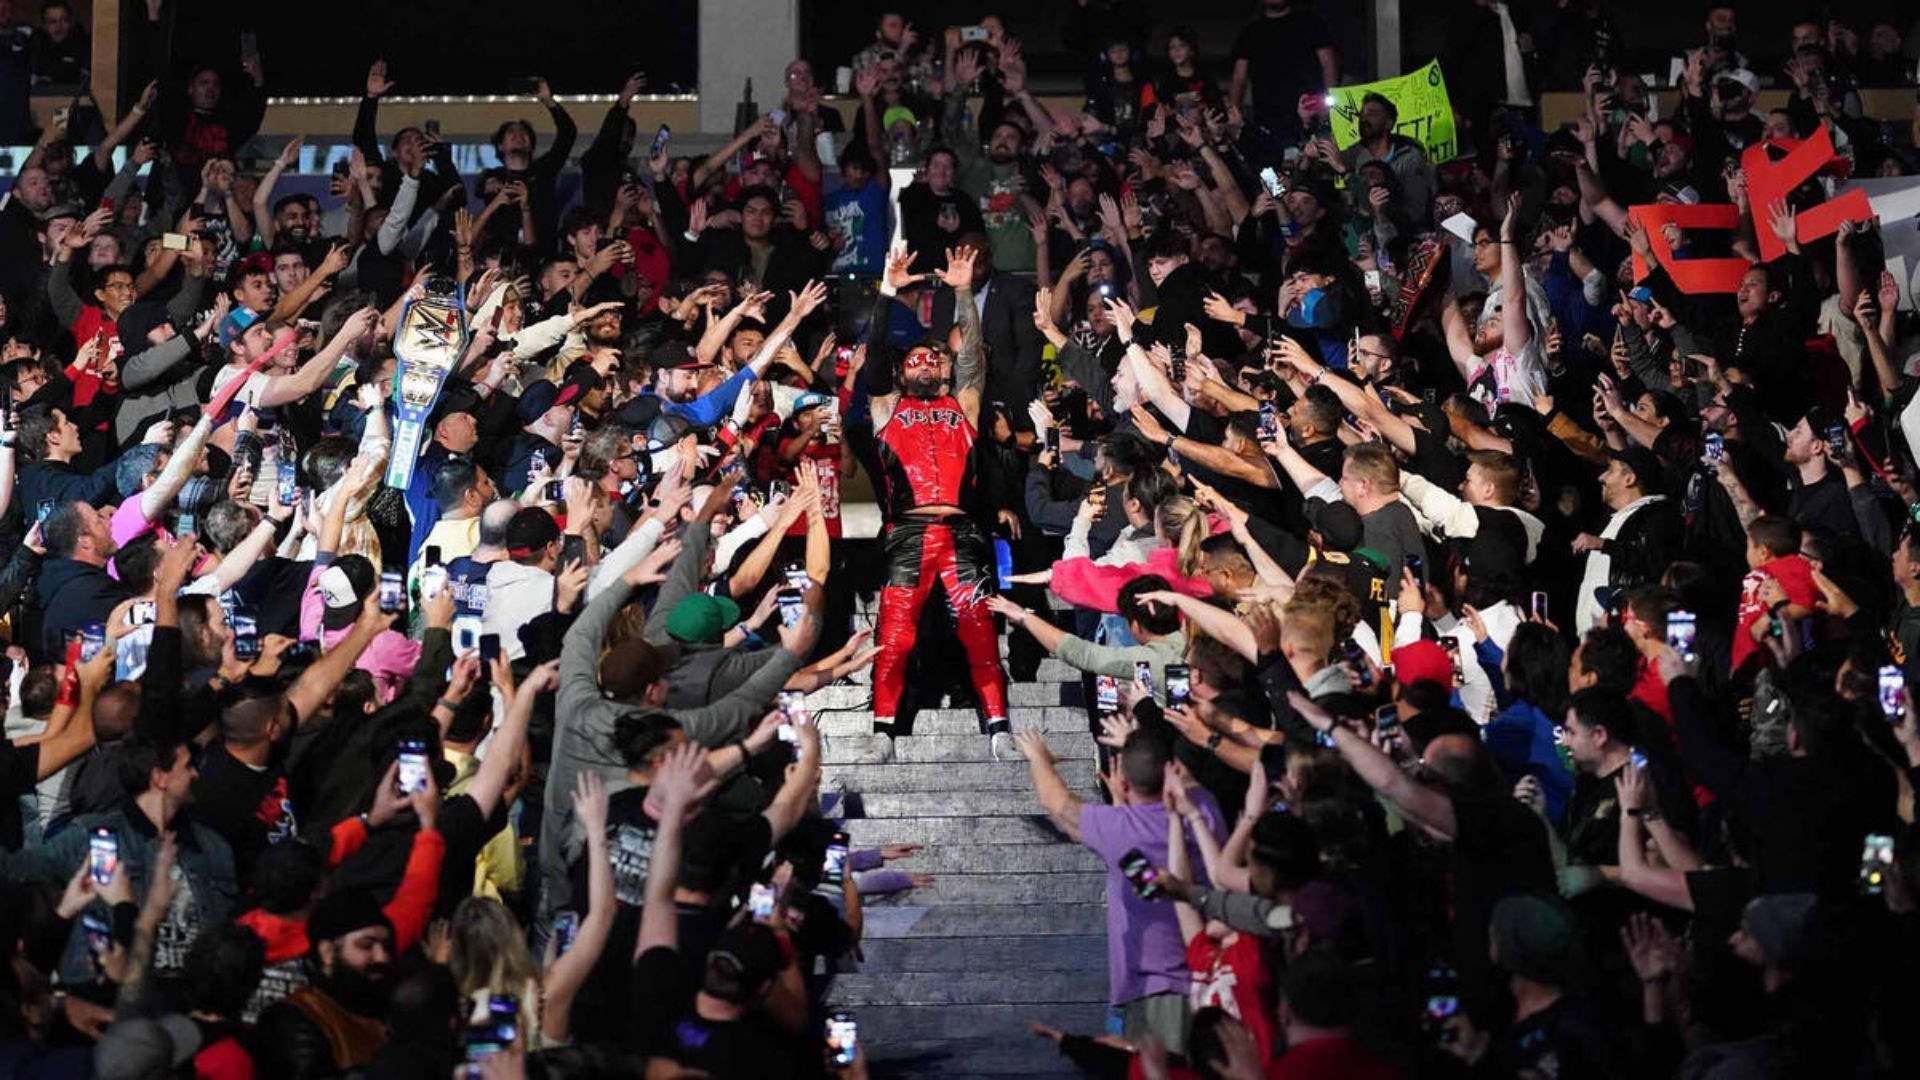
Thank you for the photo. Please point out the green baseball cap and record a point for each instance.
(701, 619)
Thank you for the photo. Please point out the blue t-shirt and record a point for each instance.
(857, 220)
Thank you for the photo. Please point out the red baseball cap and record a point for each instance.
(1422, 661)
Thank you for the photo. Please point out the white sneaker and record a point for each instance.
(880, 751)
(1000, 744)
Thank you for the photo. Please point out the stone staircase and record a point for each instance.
(1013, 927)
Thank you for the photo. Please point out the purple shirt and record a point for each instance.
(1145, 954)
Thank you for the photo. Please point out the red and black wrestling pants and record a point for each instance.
(955, 553)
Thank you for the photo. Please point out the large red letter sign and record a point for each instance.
(1691, 276)
(1768, 180)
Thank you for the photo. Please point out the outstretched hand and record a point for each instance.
(958, 273)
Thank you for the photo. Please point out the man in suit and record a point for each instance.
(1006, 316)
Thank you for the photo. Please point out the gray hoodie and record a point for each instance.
(584, 720)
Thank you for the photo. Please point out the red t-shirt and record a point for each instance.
(93, 322)
(1335, 1058)
(1795, 575)
(1235, 978)
(1651, 690)
(824, 460)
(652, 260)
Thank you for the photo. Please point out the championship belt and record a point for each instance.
(431, 339)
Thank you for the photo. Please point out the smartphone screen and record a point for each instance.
(393, 591)
(1875, 858)
(834, 870)
(1053, 438)
(1414, 566)
(103, 855)
(791, 608)
(660, 139)
(1893, 692)
(1540, 606)
(246, 636)
(1003, 563)
(1143, 674)
(1269, 421)
(1452, 645)
(1179, 685)
(1140, 873)
(489, 648)
(566, 927)
(843, 1039)
(797, 578)
(794, 704)
(413, 766)
(92, 639)
(1681, 627)
(1716, 446)
(760, 901)
(497, 1032)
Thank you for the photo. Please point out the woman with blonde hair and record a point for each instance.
(1172, 551)
(489, 956)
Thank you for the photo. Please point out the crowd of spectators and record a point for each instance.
(1499, 656)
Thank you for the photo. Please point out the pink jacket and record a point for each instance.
(1088, 584)
(390, 659)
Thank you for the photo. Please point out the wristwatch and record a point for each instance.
(1213, 741)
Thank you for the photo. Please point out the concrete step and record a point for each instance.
(876, 832)
(924, 749)
(999, 859)
(888, 1024)
(1056, 671)
(1010, 890)
(958, 804)
(1021, 695)
(859, 721)
(952, 778)
(1067, 952)
(981, 986)
(1020, 1054)
(984, 921)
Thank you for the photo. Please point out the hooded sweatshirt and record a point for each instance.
(409, 910)
(517, 594)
